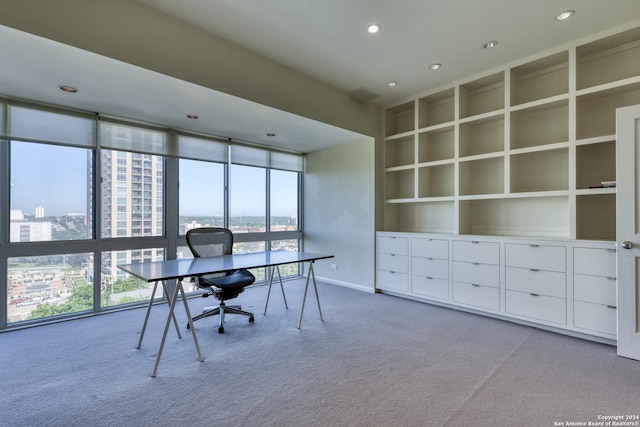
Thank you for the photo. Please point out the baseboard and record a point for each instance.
(346, 284)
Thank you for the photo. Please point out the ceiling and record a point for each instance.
(326, 39)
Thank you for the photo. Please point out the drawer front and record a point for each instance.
(594, 289)
(595, 317)
(474, 273)
(393, 245)
(539, 307)
(391, 262)
(595, 262)
(549, 283)
(473, 251)
(540, 257)
(485, 297)
(429, 267)
(430, 248)
(392, 281)
(429, 287)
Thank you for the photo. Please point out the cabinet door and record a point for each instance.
(475, 251)
(541, 257)
(430, 248)
(594, 261)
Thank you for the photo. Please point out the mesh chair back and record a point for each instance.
(210, 241)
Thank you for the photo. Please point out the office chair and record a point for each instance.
(214, 241)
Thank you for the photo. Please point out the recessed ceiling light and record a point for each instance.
(374, 28)
(490, 44)
(392, 84)
(69, 89)
(271, 134)
(565, 15)
(192, 116)
(435, 66)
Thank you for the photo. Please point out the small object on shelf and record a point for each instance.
(608, 184)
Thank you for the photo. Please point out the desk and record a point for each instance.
(160, 271)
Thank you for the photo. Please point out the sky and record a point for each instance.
(55, 177)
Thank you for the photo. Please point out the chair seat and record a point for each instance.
(236, 280)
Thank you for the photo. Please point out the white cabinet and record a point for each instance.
(476, 274)
(430, 267)
(594, 290)
(562, 285)
(536, 281)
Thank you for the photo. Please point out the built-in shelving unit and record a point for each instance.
(521, 152)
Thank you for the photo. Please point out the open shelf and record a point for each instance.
(436, 109)
(432, 217)
(436, 145)
(436, 181)
(482, 136)
(516, 217)
(596, 217)
(400, 119)
(483, 176)
(596, 112)
(399, 184)
(608, 60)
(540, 171)
(482, 95)
(400, 152)
(540, 79)
(540, 125)
(595, 163)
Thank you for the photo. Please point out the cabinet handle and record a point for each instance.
(475, 242)
(430, 278)
(611, 250)
(475, 263)
(533, 269)
(392, 272)
(534, 246)
(430, 259)
(534, 295)
(392, 254)
(612, 306)
(475, 285)
(611, 278)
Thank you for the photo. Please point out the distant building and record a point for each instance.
(39, 212)
(24, 231)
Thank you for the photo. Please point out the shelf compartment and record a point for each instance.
(483, 176)
(546, 170)
(436, 109)
(400, 152)
(482, 96)
(482, 136)
(400, 119)
(540, 79)
(436, 181)
(436, 145)
(595, 163)
(400, 184)
(541, 125)
(596, 112)
(608, 60)
(427, 217)
(596, 217)
(527, 216)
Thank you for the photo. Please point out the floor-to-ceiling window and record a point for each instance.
(81, 195)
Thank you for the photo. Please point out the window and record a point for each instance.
(201, 194)
(283, 200)
(247, 199)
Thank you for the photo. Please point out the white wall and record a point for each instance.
(339, 212)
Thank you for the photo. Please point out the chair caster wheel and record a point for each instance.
(221, 330)
(188, 327)
(251, 319)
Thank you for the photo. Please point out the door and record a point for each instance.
(628, 229)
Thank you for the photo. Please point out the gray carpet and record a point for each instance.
(375, 360)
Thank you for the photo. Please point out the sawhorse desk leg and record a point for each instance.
(306, 287)
(281, 288)
(146, 318)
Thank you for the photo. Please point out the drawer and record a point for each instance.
(541, 307)
(595, 317)
(474, 251)
(539, 257)
(392, 281)
(595, 262)
(549, 283)
(594, 289)
(430, 248)
(391, 262)
(430, 287)
(474, 273)
(429, 267)
(486, 297)
(393, 245)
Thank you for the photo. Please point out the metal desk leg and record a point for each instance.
(190, 321)
(281, 288)
(146, 318)
(166, 327)
(306, 287)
